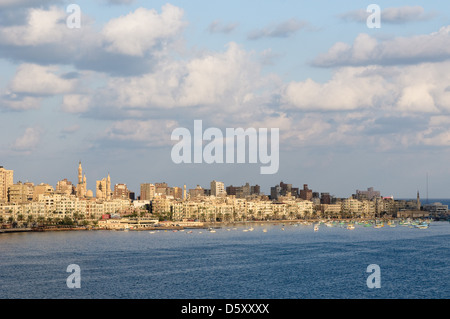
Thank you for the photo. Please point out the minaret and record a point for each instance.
(80, 173)
(418, 201)
(108, 188)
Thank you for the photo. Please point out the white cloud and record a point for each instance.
(14, 102)
(40, 80)
(138, 32)
(412, 88)
(149, 132)
(43, 27)
(216, 80)
(366, 50)
(29, 140)
(75, 103)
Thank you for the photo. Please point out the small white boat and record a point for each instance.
(316, 228)
(350, 226)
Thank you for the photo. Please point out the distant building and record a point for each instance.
(42, 189)
(20, 193)
(121, 192)
(325, 198)
(103, 189)
(6, 180)
(147, 191)
(436, 209)
(218, 189)
(368, 194)
(306, 193)
(196, 192)
(65, 187)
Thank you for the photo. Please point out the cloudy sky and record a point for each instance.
(356, 107)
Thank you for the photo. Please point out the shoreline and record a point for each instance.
(206, 225)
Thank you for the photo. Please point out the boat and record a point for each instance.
(316, 228)
(265, 230)
(350, 226)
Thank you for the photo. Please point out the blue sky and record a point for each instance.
(356, 107)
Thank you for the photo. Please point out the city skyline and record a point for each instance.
(356, 106)
(82, 187)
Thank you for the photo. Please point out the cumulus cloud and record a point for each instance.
(40, 80)
(128, 45)
(138, 32)
(18, 102)
(75, 103)
(367, 50)
(413, 88)
(28, 141)
(227, 80)
(140, 132)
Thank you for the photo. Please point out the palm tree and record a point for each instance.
(20, 218)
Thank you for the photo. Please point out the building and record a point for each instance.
(121, 192)
(42, 189)
(6, 180)
(103, 189)
(65, 187)
(20, 193)
(436, 210)
(196, 192)
(81, 189)
(306, 193)
(147, 191)
(368, 194)
(325, 198)
(218, 189)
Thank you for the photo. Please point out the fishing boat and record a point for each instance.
(316, 227)
(350, 226)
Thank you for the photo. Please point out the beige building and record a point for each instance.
(218, 189)
(20, 193)
(103, 189)
(6, 180)
(42, 189)
(147, 191)
(64, 187)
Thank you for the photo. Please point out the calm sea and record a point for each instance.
(290, 263)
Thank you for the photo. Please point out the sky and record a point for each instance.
(356, 107)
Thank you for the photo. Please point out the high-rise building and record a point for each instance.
(218, 189)
(20, 193)
(147, 191)
(325, 198)
(196, 192)
(121, 192)
(6, 180)
(42, 189)
(64, 187)
(368, 194)
(306, 193)
(103, 189)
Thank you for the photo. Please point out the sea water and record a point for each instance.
(272, 261)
